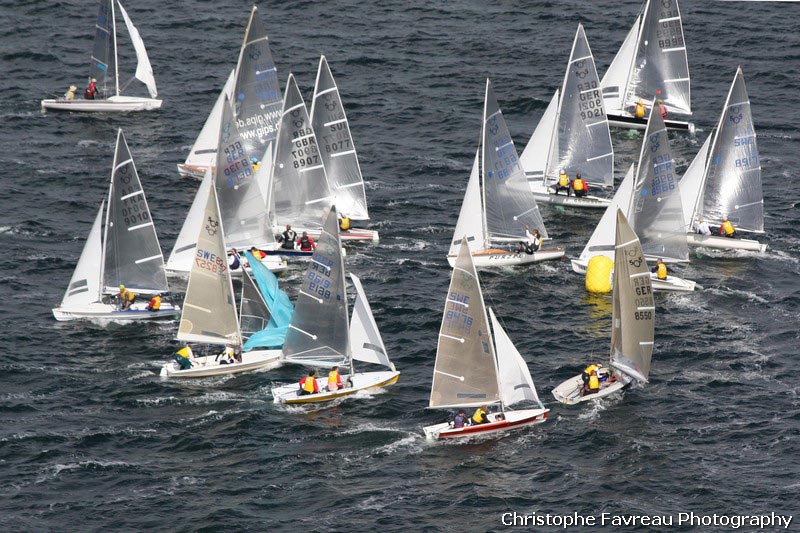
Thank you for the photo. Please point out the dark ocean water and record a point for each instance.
(91, 438)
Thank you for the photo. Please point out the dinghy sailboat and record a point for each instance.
(209, 308)
(572, 135)
(319, 335)
(724, 179)
(651, 63)
(122, 250)
(476, 366)
(105, 69)
(499, 208)
(632, 322)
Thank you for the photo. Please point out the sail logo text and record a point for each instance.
(758, 521)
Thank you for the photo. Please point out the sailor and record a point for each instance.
(592, 384)
(258, 254)
(183, 357)
(308, 385)
(334, 379)
(726, 229)
(586, 376)
(579, 187)
(479, 416)
(70, 94)
(306, 243)
(254, 163)
(563, 182)
(234, 263)
(662, 109)
(91, 90)
(639, 111)
(226, 356)
(155, 303)
(660, 270)
(460, 420)
(702, 227)
(344, 222)
(287, 238)
(532, 243)
(126, 297)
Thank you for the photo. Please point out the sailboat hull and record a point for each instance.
(620, 119)
(289, 394)
(113, 104)
(207, 366)
(353, 234)
(724, 243)
(108, 312)
(569, 392)
(510, 420)
(495, 257)
(180, 266)
(192, 171)
(546, 195)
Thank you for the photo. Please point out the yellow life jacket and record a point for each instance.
(126, 295)
(639, 110)
(590, 368)
(333, 377)
(578, 184)
(185, 352)
(344, 224)
(478, 416)
(156, 303)
(662, 271)
(727, 227)
(308, 384)
(563, 180)
(255, 166)
(594, 382)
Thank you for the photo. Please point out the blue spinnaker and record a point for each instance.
(280, 308)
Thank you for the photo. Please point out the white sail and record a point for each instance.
(264, 180)
(182, 254)
(581, 141)
(103, 66)
(465, 373)
(515, 381)
(336, 146)
(470, 219)
(602, 240)
(319, 332)
(691, 184)
(634, 311)
(204, 150)
(84, 286)
(366, 343)
(615, 81)
(534, 156)
(132, 254)
(209, 307)
(144, 72)
(733, 175)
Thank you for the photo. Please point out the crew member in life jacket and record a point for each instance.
(71, 93)
(660, 270)
(662, 109)
(234, 263)
(702, 227)
(479, 417)
(226, 356)
(306, 243)
(287, 238)
(563, 182)
(184, 357)
(126, 297)
(579, 187)
(155, 303)
(308, 385)
(460, 420)
(639, 111)
(91, 90)
(344, 222)
(532, 243)
(726, 229)
(258, 254)
(334, 379)
(254, 163)
(591, 382)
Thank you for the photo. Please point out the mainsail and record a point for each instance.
(84, 286)
(515, 381)
(534, 156)
(465, 373)
(581, 141)
(209, 307)
(204, 150)
(365, 338)
(634, 311)
(692, 182)
(104, 52)
(508, 201)
(257, 98)
(300, 184)
(733, 176)
(319, 332)
(656, 212)
(470, 219)
(144, 71)
(132, 254)
(273, 332)
(615, 80)
(336, 146)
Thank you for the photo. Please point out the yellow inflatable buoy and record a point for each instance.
(598, 274)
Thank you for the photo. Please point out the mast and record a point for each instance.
(554, 131)
(108, 212)
(116, 57)
(486, 238)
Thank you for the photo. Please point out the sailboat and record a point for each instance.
(105, 69)
(336, 146)
(476, 366)
(209, 308)
(319, 334)
(499, 208)
(651, 63)
(572, 135)
(203, 155)
(632, 322)
(724, 179)
(122, 249)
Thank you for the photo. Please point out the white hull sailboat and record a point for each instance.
(122, 249)
(572, 135)
(105, 69)
(476, 366)
(320, 336)
(499, 209)
(632, 323)
(649, 65)
(724, 179)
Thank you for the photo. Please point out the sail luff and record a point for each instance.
(116, 54)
